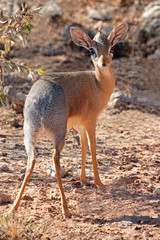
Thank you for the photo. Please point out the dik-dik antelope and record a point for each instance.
(59, 101)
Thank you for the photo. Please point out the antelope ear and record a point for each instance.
(80, 38)
(118, 34)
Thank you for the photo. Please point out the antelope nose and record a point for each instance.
(102, 61)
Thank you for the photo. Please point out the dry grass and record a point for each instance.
(11, 227)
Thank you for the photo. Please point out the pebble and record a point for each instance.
(129, 167)
(147, 234)
(51, 10)
(53, 173)
(3, 154)
(5, 168)
(99, 15)
(23, 170)
(4, 198)
(150, 188)
(22, 176)
(9, 92)
(157, 192)
(27, 197)
(149, 30)
(18, 102)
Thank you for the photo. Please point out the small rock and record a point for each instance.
(51, 10)
(15, 123)
(9, 92)
(157, 192)
(158, 178)
(119, 100)
(137, 227)
(4, 198)
(156, 55)
(27, 197)
(147, 235)
(53, 173)
(23, 170)
(3, 154)
(5, 168)
(99, 15)
(52, 209)
(23, 176)
(150, 188)
(18, 102)
(129, 167)
(149, 30)
(125, 223)
(75, 191)
(115, 99)
(49, 180)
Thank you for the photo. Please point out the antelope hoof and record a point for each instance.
(99, 184)
(83, 180)
(67, 214)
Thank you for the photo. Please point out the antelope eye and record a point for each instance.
(93, 52)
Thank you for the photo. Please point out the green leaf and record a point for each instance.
(24, 24)
(3, 100)
(2, 96)
(28, 28)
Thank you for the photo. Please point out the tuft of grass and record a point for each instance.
(74, 209)
(11, 227)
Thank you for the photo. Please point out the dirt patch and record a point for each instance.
(128, 158)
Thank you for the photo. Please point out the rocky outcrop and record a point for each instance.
(149, 31)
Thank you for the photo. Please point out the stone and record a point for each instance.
(147, 235)
(9, 92)
(4, 198)
(5, 168)
(51, 10)
(18, 102)
(149, 30)
(118, 99)
(150, 188)
(157, 192)
(99, 15)
(155, 55)
(53, 173)
(23, 170)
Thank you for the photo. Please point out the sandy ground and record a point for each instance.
(128, 159)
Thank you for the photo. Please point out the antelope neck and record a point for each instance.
(105, 77)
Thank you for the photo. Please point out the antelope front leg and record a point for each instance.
(84, 147)
(91, 126)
